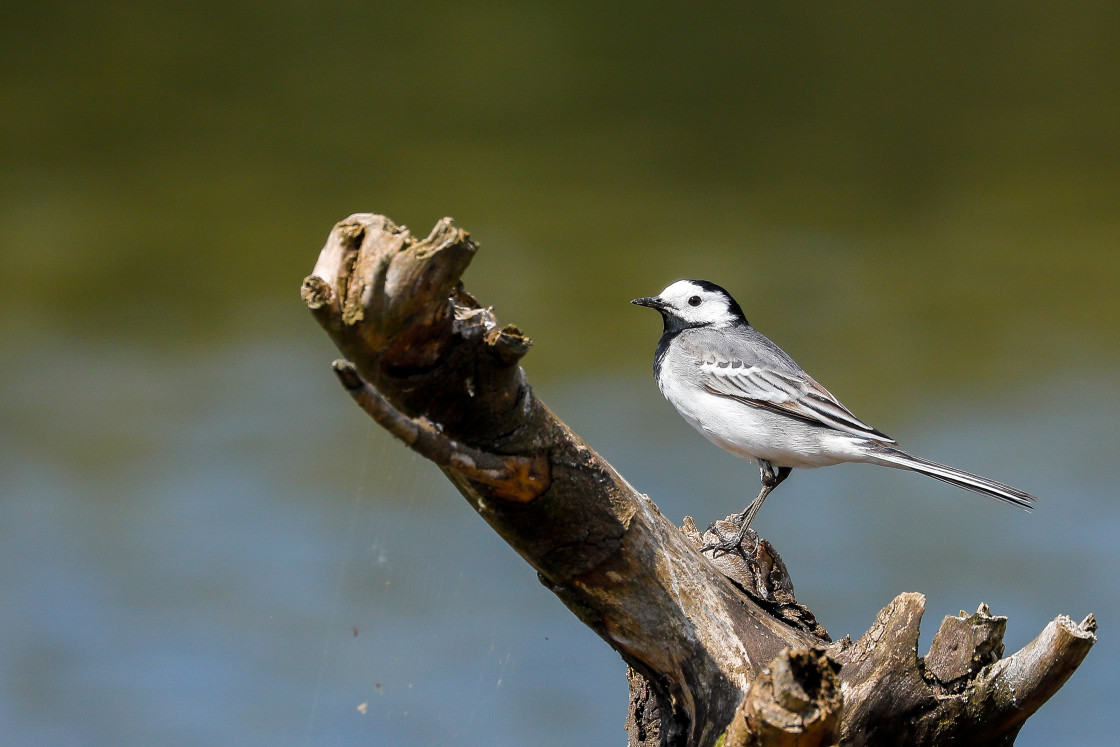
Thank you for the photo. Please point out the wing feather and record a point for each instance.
(795, 394)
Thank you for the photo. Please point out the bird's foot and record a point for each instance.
(724, 544)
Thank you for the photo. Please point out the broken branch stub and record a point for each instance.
(964, 644)
(391, 289)
(393, 306)
(794, 702)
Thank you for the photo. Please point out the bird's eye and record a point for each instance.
(694, 301)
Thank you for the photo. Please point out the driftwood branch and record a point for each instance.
(717, 647)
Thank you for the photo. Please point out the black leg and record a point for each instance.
(770, 480)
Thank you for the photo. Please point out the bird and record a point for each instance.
(746, 395)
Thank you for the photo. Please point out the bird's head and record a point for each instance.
(694, 303)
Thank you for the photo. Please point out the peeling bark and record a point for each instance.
(717, 647)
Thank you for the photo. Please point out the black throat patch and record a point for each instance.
(670, 334)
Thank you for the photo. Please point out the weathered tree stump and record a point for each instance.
(717, 647)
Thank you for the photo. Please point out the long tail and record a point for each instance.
(891, 457)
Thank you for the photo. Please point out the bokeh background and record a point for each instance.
(203, 541)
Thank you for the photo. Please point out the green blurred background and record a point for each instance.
(920, 202)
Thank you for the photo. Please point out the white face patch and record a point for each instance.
(695, 305)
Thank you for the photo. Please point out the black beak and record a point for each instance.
(652, 302)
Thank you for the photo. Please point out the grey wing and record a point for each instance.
(766, 377)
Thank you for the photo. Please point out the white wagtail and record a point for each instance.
(744, 394)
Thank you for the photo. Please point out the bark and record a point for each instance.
(717, 647)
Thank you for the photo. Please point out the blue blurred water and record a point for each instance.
(218, 547)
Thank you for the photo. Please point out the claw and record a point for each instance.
(725, 545)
